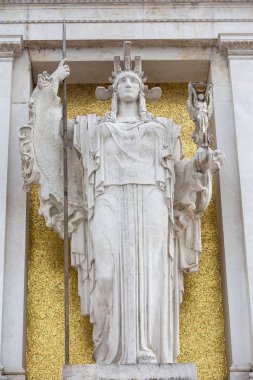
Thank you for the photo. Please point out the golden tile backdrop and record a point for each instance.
(202, 325)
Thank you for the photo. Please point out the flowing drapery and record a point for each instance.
(133, 265)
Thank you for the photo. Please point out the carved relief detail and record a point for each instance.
(236, 45)
(10, 46)
(27, 156)
(29, 172)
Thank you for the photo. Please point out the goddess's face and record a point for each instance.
(128, 89)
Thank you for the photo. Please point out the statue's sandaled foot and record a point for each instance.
(146, 357)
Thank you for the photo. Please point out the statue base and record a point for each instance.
(175, 371)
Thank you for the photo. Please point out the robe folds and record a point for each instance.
(129, 256)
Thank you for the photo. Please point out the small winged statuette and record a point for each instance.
(200, 109)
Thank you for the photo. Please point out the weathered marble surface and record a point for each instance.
(186, 371)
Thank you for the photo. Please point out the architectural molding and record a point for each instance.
(2, 377)
(10, 46)
(13, 372)
(120, 1)
(126, 20)
(236, 44)
(246, 367)
(157, 21)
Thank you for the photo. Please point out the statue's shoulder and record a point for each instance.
(90, 120)
(88, 124)
(170, 126)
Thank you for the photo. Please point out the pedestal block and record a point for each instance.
(179, 371)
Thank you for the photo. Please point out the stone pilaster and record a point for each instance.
(11, 323)
(6, 66)
(238, 52)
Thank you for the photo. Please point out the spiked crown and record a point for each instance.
(105, 94)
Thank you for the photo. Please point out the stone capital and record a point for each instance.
(238, 44)
(10, 46)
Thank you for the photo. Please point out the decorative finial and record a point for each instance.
(127, 54)
(117, 68)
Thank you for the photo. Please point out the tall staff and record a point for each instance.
(65, 185)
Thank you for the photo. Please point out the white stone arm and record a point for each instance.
(192, 193)
(61, 73)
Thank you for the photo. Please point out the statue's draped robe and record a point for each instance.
(134, 217)
(132, 270)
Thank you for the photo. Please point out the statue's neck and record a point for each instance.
(128, 112)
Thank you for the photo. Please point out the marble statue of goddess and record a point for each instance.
(135, 204)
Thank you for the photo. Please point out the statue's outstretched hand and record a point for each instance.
(202, 159)
(62, 71)
(217, 160)
(208, 159)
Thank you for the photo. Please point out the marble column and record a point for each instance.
(15, 88)
(231, 71)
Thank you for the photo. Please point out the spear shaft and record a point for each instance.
(65, 185)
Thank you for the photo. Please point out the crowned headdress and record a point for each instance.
(131, 69)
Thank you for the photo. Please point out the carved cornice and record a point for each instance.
(126, 20)
(10, 46)
(236, 44)
(71, 2)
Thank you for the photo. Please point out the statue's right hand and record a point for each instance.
(62, 70)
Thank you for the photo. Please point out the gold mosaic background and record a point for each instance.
(202, 326)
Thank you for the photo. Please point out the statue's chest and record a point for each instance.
(130, 144)
(131, 155)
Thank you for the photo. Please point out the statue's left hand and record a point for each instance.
(207, 158)
(217, 160)
(202, 160)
